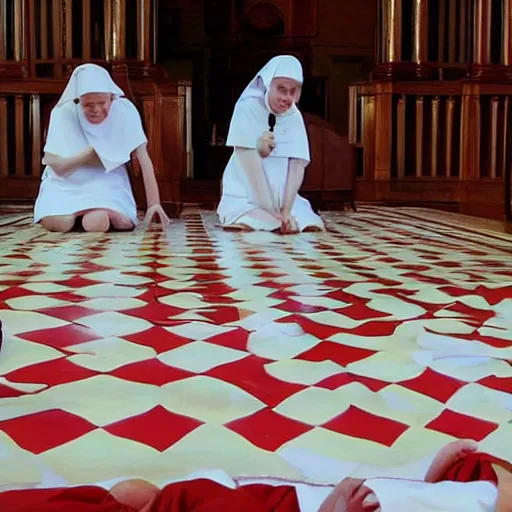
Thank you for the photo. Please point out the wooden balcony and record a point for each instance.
(442, 143)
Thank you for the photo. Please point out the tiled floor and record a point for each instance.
(305, 357)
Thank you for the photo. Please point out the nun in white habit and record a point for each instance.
(93, 131)
(262, 179)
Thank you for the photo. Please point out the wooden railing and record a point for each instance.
(45, 36)
(451, 136)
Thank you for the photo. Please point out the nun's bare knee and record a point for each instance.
(96, 221)
(119, 221)
(58, 223)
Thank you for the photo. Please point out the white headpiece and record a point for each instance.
(114, 139)
(251, 114)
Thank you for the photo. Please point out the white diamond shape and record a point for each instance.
(107, 354)
(34, 302)
(112, 323)
(199, 330)
(200, 356)
(209, 400)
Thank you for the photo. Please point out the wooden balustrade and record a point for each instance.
(447, 140)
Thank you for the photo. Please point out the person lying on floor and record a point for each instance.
(93, 132)
(460, 479)
(262, 179)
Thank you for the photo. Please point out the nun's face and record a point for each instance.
(96, 106)
(284, 92)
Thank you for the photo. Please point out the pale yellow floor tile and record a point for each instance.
(310, 290)
(214, 446)
(389, 367)
(18, 353)
(118, 278)
(504, 334)
(185, 301)
(498, 443)
(334, 319)
(34, 302)
(396, 308)
(482, 402)
(119, 304)
(200, 356)
(199, 331)
(473, 372)
(45, 287)
(99, 456)
(324, 302)
(17, 322)
(17, 467)
(316, 406)
(344, 448)
(22, 386)
(113, 323)
(303, 372)
(109, 290)
(23, 405)
(107, 354)
(209, 400)
(278, 346)
(103, 399)
(404, 405)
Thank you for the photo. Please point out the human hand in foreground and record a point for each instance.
(351, 495)
(157, 210)
(59, 164)
(266, 144)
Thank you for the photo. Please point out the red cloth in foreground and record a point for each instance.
(73, 499)
(208, 496)
(193, 496)
(475, 467)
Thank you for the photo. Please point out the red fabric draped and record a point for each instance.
(208, 496)
(75, 499)
(475, 467)
(194, 496)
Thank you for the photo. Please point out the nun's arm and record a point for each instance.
(293, 182)
(250, 162)
(148, 176)
(63, 165)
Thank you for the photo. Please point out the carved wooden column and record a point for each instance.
(420, 36)
(391, 36)
(3, 30)
(507, 33)
(470, 133)
(144, 30)
(19, 29)
(115, 29)
(118, 29)
(482, 34)
(4, 147)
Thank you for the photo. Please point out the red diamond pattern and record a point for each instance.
(50, 431)
(358, 423)
(158, 428)
(268, 430)
(462, 426)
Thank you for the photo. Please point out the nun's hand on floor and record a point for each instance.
(158, 211)
(266, 144)
(288, 225)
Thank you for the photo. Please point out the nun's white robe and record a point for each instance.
(91, 187)
(249, 121)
